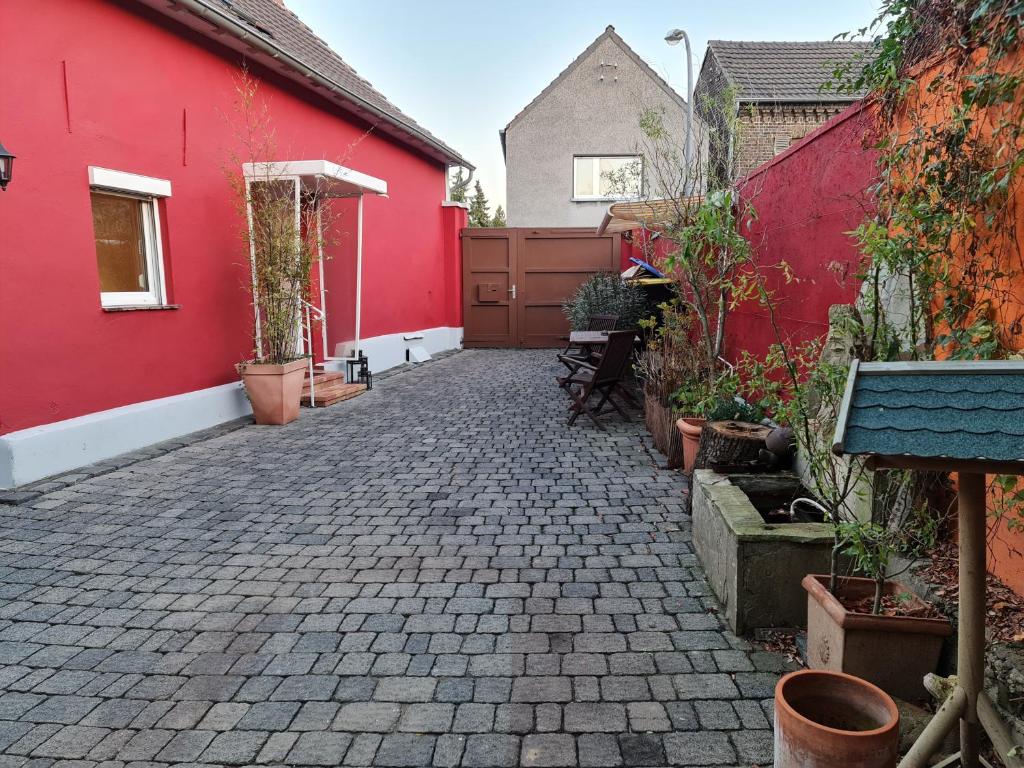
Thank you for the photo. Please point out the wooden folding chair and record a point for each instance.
(574, 354)
(601, 379)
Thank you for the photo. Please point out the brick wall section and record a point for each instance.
(765, 130)
(758, 123)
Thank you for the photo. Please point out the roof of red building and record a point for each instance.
(270, 26)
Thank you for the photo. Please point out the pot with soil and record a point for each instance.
(275, 391)
(827, 719)
(893, 649)
(690, 428)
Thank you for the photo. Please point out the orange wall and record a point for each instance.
(927, 106)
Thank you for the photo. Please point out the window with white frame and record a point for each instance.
(617, 177)
(126, 228)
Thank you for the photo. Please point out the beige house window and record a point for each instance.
(618, 177)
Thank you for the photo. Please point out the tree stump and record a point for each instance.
(730, 442)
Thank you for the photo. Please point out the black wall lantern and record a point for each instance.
(6, 167)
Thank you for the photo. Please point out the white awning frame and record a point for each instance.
(328, 180)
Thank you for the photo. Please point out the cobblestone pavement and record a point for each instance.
(436, 573)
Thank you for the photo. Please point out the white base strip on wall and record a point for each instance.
(387, 351)
(32, 454)
(51, 449)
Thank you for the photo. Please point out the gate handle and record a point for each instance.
(512, 290)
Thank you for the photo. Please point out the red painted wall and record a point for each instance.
(806, 201)
(146, 96)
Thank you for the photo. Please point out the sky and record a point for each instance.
(464, 69)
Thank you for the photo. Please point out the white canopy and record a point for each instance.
(336, 180)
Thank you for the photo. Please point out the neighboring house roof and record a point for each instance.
(785, 71)
(955, 411)
(608, 34)
(267, 31)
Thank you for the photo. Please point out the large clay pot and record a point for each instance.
(830, 719)
(690, 428)
(893, 652)
(274, 390)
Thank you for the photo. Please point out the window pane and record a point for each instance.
(620, 177)
(120, 243)
(584, 186)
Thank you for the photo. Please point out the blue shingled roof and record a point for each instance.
(960, 411)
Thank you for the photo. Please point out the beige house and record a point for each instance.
(775, 92)
(566, 148)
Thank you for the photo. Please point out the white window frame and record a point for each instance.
(147, 190)
(597, 177)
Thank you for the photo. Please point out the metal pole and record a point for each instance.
(359, 270)
(323, 290)
(970, 661)
(257, 329)
(689, 110)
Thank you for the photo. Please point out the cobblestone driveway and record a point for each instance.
(436, 573)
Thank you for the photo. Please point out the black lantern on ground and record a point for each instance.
(6, 166)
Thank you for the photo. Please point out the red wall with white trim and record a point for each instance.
(105, 83)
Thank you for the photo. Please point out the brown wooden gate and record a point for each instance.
(515, 280)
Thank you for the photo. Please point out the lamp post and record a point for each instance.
(672, 38)
(6, 167)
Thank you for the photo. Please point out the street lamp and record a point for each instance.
(673, 38)
(6, 167)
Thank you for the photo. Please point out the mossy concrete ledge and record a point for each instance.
(754, 568)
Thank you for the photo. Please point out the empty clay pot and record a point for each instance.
(828, 719)
(274, 390)
(690, 428)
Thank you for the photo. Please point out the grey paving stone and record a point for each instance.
(595, 717)
(320, 748)
(641, 749)
(549, 750)
(598, 750)
(70, 742)
(235, 747)
(405, 749)
(491, 751)
(753, 747)
(436, 572)
(699, 748)
(427, 718)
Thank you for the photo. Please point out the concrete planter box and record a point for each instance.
(754, 568)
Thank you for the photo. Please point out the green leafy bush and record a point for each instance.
(606, 294)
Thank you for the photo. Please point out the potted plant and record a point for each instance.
(282, 245)
(873, 626)
(827, 719)
(674, 372)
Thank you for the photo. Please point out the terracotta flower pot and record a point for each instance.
(893, 652)
(690, 428)
(829, 719)
(274, 390)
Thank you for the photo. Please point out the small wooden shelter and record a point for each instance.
(964, 417)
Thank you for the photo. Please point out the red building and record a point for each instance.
(120, 115)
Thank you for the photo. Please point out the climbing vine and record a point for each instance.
(943, 265)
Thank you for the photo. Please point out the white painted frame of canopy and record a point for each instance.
(328, 180)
